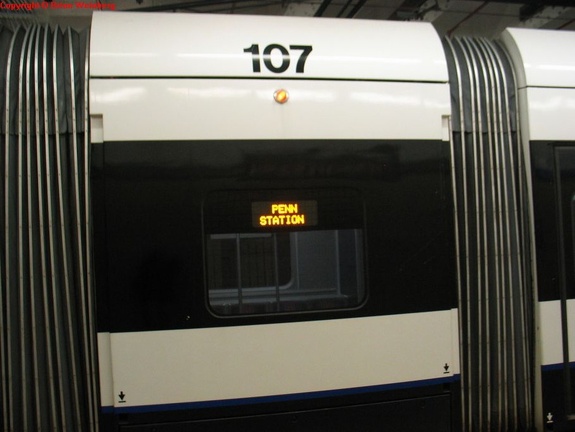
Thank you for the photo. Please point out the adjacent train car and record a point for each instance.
(284, 225)
(545, 64)
(274, 224)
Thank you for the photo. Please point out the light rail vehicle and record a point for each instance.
(287, 224)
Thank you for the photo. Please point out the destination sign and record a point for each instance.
(284, 213)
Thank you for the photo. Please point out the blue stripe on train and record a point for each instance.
(556, 366)
(277, 398)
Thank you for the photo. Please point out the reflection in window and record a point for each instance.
(251, 273)
(276, 251)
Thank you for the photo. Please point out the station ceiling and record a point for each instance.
(449, 17)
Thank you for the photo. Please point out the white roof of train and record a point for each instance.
(189, 45)
(545, 65)
(547, 56)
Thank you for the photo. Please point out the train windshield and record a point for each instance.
(284, 251)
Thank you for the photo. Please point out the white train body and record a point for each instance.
(351, 86)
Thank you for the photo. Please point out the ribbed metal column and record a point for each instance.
(47, 333)
(496, 309)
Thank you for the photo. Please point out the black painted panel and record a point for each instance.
(565, 166)
(547, 222)
(554, 209)
(148, 199)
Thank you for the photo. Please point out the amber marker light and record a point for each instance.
(281, 96)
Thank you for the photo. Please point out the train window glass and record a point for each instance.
(286, 251)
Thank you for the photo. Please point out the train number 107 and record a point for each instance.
(282, 61)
